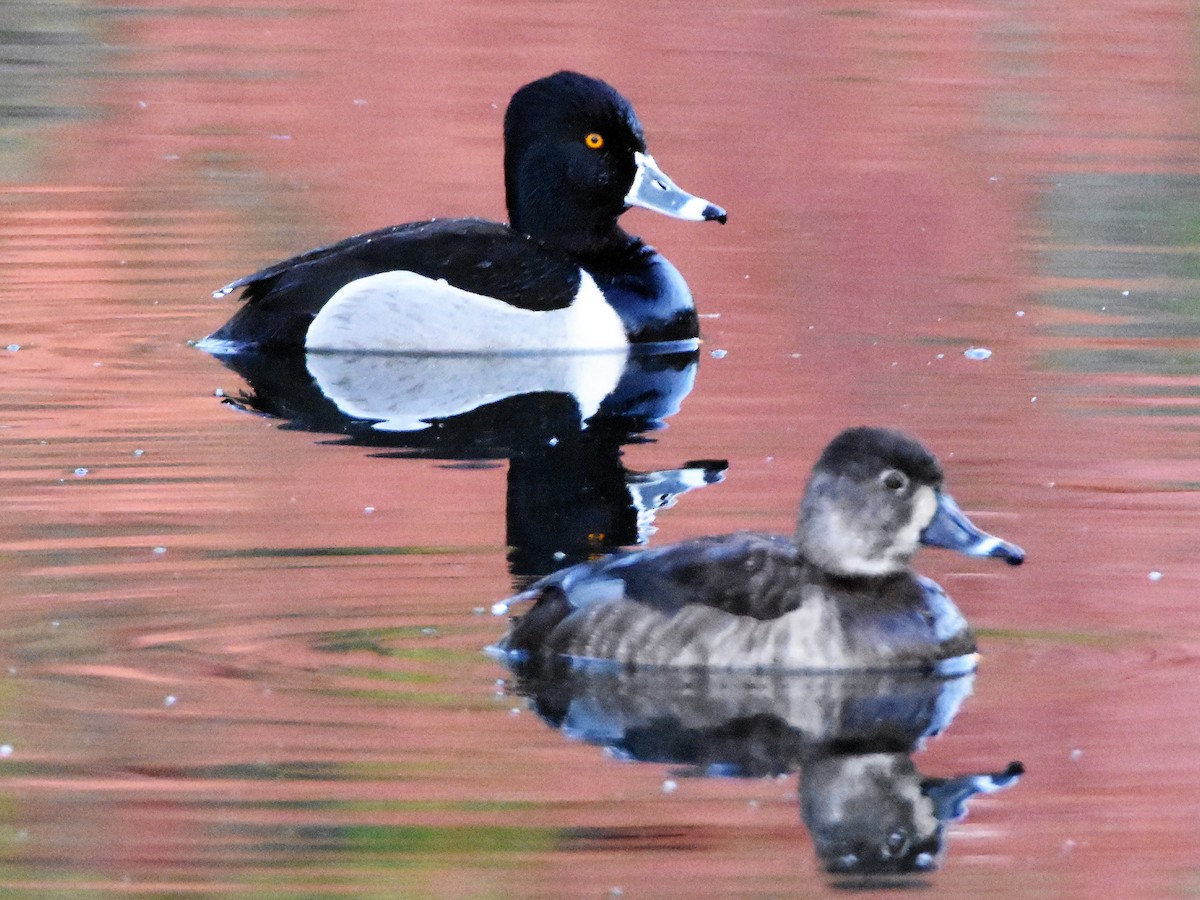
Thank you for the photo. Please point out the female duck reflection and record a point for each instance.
(851, 735)
(560, 420)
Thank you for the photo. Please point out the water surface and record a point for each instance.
(243, 653)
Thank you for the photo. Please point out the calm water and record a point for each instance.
(243, 653)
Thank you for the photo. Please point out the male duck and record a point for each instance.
(563, 275)
(838, 595)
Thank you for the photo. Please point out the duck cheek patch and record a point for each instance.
(924, 508)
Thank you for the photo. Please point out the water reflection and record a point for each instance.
(560, 419)
(851, 736)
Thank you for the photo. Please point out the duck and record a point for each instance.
(561, 275)
(837, 595)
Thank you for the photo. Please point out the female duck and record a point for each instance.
(563, 275)
(839, 595)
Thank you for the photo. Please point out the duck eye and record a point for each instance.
(894, 480)
(594, 141)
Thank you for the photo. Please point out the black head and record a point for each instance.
(572, 146)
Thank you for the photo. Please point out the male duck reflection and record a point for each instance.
(564, 276)
(839, 595)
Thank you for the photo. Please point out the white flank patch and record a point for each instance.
(405, 391)
(402, 312)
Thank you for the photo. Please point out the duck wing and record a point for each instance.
(746, 574)
(474, 255)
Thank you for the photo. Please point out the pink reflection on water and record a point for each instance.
(884, 171)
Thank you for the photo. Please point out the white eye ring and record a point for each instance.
(894, 480)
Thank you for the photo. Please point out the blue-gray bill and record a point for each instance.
(952, 529)
(653, 189)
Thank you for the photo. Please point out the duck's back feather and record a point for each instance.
(475, 255)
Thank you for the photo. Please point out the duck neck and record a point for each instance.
(843, 556)
(582, 223)
(563, 228)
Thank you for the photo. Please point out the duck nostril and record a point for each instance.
(661, 185)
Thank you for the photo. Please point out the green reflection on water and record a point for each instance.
(373, 640)
(422, 841)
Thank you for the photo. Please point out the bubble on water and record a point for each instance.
(1156, 576)
(80, 472)
(170, 700)
(670, 786)
(6, 750)
(429, 632)
(13, 348)
(219, 392)
(368, 510)
(719, 354)
(977, 353)
(1020, 313)
(139, 452)
(159, 550)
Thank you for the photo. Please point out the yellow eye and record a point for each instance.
(595, 141)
